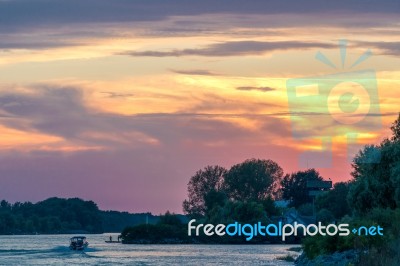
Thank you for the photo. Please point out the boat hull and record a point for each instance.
(78, 247)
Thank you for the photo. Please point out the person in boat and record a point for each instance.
(78, 243)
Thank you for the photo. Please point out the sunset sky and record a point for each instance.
(121, 102)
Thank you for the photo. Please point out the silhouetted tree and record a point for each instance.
(294, 186)
(334, 201)
(396, 129)
(253, 180)
(377, 174)
(376, 185)
(209, 179)
(4, 205)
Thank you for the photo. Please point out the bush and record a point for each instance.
(388, 219)
(150, 233)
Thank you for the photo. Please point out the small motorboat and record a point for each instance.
(78, 243)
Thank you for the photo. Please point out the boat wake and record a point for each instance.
(60, 250)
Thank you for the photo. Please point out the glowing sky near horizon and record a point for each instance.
(121, 104)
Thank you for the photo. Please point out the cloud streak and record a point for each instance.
(249, 88)
(196, 72)
(385, 48)
(14, 16)
(111, 94)
(235, 48)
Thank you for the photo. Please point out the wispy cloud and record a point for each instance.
(111, 94)
(196, 72)
(248, 88)
(384, 47)
(235, 48)
(21, 43)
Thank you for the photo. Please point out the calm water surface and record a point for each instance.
(53, 250)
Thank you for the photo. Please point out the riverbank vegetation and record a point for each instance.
(50, 216)
(371, 198)
(59, 216)
(170, 229)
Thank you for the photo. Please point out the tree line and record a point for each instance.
(63, 216)
(50, 216)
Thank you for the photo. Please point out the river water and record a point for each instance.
(53, 250)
